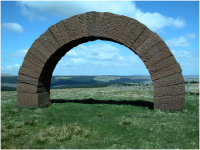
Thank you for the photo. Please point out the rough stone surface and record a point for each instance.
(169, 80)
(169, 102)
(172, 90)
(173, 69)
(146, 45)
(34, 78)
(27, 72)
(33, 100)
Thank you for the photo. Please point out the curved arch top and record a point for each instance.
(34, 77)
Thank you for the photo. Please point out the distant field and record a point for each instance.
(193, 87)
(63, 78)
(99, 118)
(191, 78)
(109, 78)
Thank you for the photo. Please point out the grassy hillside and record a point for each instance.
(99, 118)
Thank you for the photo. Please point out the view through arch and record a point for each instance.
(34, 77)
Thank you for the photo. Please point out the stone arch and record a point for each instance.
(34, 77)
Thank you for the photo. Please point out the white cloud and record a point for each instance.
(186, 58)
(20, 53)
(64, 9)
(77, 60)
(5, 59)
(67, 9)
(33, 15)
(134, 61)
(100, 51)
(178, 42)
(101, 64)
(14, 67)
(121, 58)
(192, 36)
(156, 21)
(100, 55)
(12, 26)
(177, 23)
(71, 53)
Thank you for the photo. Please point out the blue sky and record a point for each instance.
(176, 22)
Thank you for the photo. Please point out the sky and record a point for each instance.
(176, 22)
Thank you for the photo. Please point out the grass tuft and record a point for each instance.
(125, 121)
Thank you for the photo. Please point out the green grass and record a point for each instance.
(90, 119)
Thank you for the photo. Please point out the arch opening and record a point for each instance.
(34, 78)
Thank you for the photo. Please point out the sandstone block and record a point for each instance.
(83, 25)
(32, 67)
(173, 69)
(28, 72)
(148, 43)
(173, 79)
(169, 103)
(112, 27)
(135, 34)
(105, 24)
(39, 51)
(90, 18)
(48, 41)
(28, 80)
(35, 100)
(32, 59)
(97, 24)
(130, 28)
(162, 64)
(57, 35)
(150, 53)
(29, 88)
(145, 34)
(120, 28)
(165, 53)
(73, 28)
(63, 31)
(170, 90)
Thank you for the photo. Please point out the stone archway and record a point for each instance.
(34, 77)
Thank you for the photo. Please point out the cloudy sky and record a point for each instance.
(176, 22)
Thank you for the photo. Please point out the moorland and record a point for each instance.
(100, 118)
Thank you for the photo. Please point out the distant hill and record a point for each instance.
(191, 75)
(84, 80)
(140, 75)
(10, 81)
(6, 75)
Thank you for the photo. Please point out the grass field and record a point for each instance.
(107, 118)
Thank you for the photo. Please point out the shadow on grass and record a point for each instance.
(142, 103)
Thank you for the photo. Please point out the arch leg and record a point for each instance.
(33, 100)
